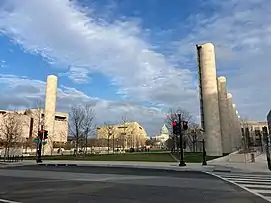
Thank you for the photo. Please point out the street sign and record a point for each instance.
(36, 141)
(44, 143)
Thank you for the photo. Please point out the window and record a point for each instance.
(60, 118)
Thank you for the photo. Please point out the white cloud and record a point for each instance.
(66, 34)
(241, 33)
(62, 31)
(21, 93)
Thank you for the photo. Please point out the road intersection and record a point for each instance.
(116, 184)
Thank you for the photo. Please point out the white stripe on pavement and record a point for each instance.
(249, 180)
(262, 191)
(8, 201)
(245, 175)
(257, 186)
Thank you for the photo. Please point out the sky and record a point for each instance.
(133, 58)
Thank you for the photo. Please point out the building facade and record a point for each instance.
(269, 121)
(32, 120)
(252, 132)
(126, 135)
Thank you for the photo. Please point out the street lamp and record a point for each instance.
(204, 162)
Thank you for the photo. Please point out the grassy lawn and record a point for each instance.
(147, 157)
(193, 157)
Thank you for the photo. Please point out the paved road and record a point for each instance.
(116, 185)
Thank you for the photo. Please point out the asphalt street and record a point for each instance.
(115, 185)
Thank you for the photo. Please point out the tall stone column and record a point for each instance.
(209, 99)
(237, 128)
(231, 122)
(49, 113)
(224, 114)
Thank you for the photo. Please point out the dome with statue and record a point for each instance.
(164, 130)
(164, 136)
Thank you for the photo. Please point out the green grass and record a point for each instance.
(144, 157)
(193, 157)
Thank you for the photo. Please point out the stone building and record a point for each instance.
(125, 136)
(269, 121)
(163, 137)
(252, 130)
(32, 120)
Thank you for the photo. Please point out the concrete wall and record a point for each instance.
(209, 96)
(224, 114)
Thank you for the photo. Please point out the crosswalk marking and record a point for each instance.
(257, 184)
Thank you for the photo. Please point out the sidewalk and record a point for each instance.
(259, 166)
(129, 164)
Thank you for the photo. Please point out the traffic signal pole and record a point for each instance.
(182, 163)
(39, 146)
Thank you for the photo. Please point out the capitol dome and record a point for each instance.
(164, 130)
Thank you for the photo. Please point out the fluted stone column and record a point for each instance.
(224, 114)
(237, 127)
(209, 99)
(49, 113)
(231, 121)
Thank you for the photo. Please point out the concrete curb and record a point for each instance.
(8, 165)
(167, 168)
(66, 165)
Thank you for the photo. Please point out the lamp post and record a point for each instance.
(204, 163)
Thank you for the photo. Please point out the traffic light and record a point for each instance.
(40, 134)
(45, 134)
(185, 125)
(174, 127)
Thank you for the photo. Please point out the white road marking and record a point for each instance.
(257, 186)
(8, 201)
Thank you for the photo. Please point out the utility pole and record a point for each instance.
(182, 163)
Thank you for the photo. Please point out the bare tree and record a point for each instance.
(81, 124)
(193, 137)
(172, 115)
(123, 134)
(11, 131)
(110, 135)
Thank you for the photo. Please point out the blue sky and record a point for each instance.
(133, 57)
